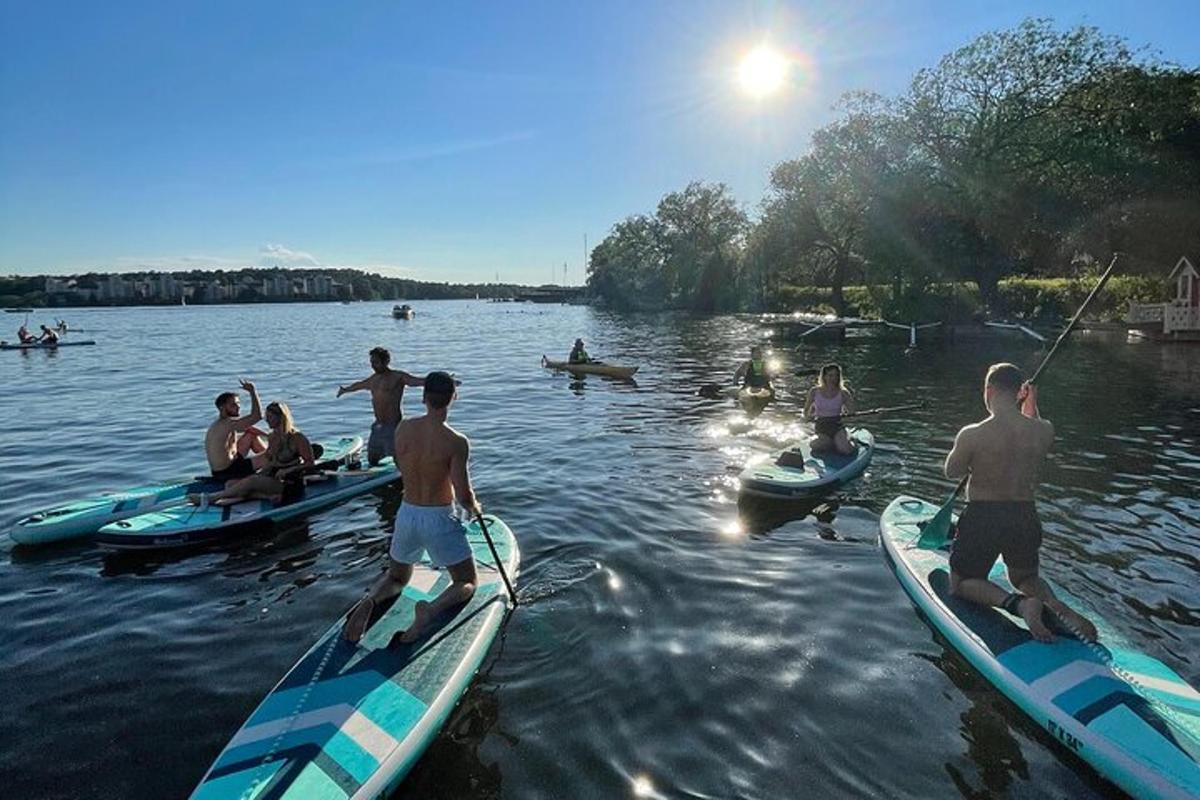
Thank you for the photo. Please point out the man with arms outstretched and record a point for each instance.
(432, 458)
(387, 390)
(1003, 455)
(231, 437)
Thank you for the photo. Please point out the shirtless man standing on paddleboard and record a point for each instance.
(1004, 455)
(387, 390)
(432, 458)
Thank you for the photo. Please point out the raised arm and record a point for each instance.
(357, 386)
(958, 461)
(410, 380)
(460, 478)
(255, 415)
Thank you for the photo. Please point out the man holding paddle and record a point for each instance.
(432, 458)
(1003, 455)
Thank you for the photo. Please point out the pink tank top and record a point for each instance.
(827, 406)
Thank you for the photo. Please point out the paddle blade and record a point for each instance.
(936, 532)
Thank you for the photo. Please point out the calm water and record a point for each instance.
(669, 644)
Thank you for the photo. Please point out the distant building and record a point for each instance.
(1177, 320)
(114, 288)
(321, 286)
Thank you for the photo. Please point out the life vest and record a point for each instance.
(756, 375)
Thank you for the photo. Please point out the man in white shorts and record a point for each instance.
(432, 458)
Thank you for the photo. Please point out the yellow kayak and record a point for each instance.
(591, 368)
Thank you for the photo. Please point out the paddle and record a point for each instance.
(937, 531)
(883, 410)
(496, 556)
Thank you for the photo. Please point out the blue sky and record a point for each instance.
(443, 141)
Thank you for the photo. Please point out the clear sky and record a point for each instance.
(440, 140)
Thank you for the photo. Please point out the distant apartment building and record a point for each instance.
(114, 288)
(320, 286)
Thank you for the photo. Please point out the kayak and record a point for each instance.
(188, 525)
(1128, 715)
(798, 473)
(43, 345)
(85, 517)
(591, 368)
(352, 720)
(753, 399)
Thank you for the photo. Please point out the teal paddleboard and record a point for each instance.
(1130, 716)
(84, 517)
(350, 721)
(798, 473)
(189, 525)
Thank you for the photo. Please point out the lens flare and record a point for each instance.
(762, 71)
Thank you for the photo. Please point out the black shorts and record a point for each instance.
(828, 426)
(990, 528)
(240, 467)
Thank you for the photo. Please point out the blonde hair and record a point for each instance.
(287, 424)
(841, 377)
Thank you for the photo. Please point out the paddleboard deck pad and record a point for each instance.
(85, 517)
(188, 525)
(350, 721)
(798, 473)
(1130, 716)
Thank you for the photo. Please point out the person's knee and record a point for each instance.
(397, 571)
(466, 589)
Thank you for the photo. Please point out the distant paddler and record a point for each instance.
(433, 460)
(578, 354)
(387, 391)
(825, 405)
(24, 336)
(61, 325)
(48, 337)
(754, 373)
(231, 437)
(1003, 454)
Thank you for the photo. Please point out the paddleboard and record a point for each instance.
(754, 400)
(350, 721)
(799, 473)
(42, 345)
(85, 517)
(1130, 716)
(187, 525)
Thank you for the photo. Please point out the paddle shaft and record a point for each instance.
(1053, 350)
(883, 410)
(496, 556)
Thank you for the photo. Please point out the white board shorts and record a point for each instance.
(429, 528)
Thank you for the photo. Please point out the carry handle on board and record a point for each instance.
(937, 531)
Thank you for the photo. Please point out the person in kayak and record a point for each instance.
(231, 437)
(48, 336)
(288, 455)
(24, 336)
(578, 354)
(433, 459)
(1003, 455)
(753, 374)
(387, 390)
(825, 405)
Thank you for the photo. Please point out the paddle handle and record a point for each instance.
(1071, 325)
(496, 556)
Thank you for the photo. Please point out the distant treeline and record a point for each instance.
(238, 286)
(1031, 152)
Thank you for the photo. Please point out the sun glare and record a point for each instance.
(762, 71)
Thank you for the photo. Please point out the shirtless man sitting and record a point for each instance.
(432, 458)
(1003, 455)
(231, 437)
(387, 390)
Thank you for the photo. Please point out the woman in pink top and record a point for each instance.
(826, 403)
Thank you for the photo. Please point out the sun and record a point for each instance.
(762, 71)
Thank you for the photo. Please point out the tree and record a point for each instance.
(626, 268)
(702, 231)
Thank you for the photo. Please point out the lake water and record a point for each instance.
(668, 645)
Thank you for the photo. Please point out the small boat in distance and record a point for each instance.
(18, 311)
(402, 312)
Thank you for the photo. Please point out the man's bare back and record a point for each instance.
(1004, 455)
(432, 457)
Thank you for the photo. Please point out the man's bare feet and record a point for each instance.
(420, 620)
(358, 620)
(1075, 622)
(1031, 612)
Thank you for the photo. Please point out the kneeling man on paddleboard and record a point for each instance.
(1003, 455)
(432, 458)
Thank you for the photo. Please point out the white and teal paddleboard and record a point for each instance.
(189, 525)
(350, 721)
(85, 517)
(798, 473)
(1130, 716)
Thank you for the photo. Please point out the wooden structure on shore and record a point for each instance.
(1177, 320)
